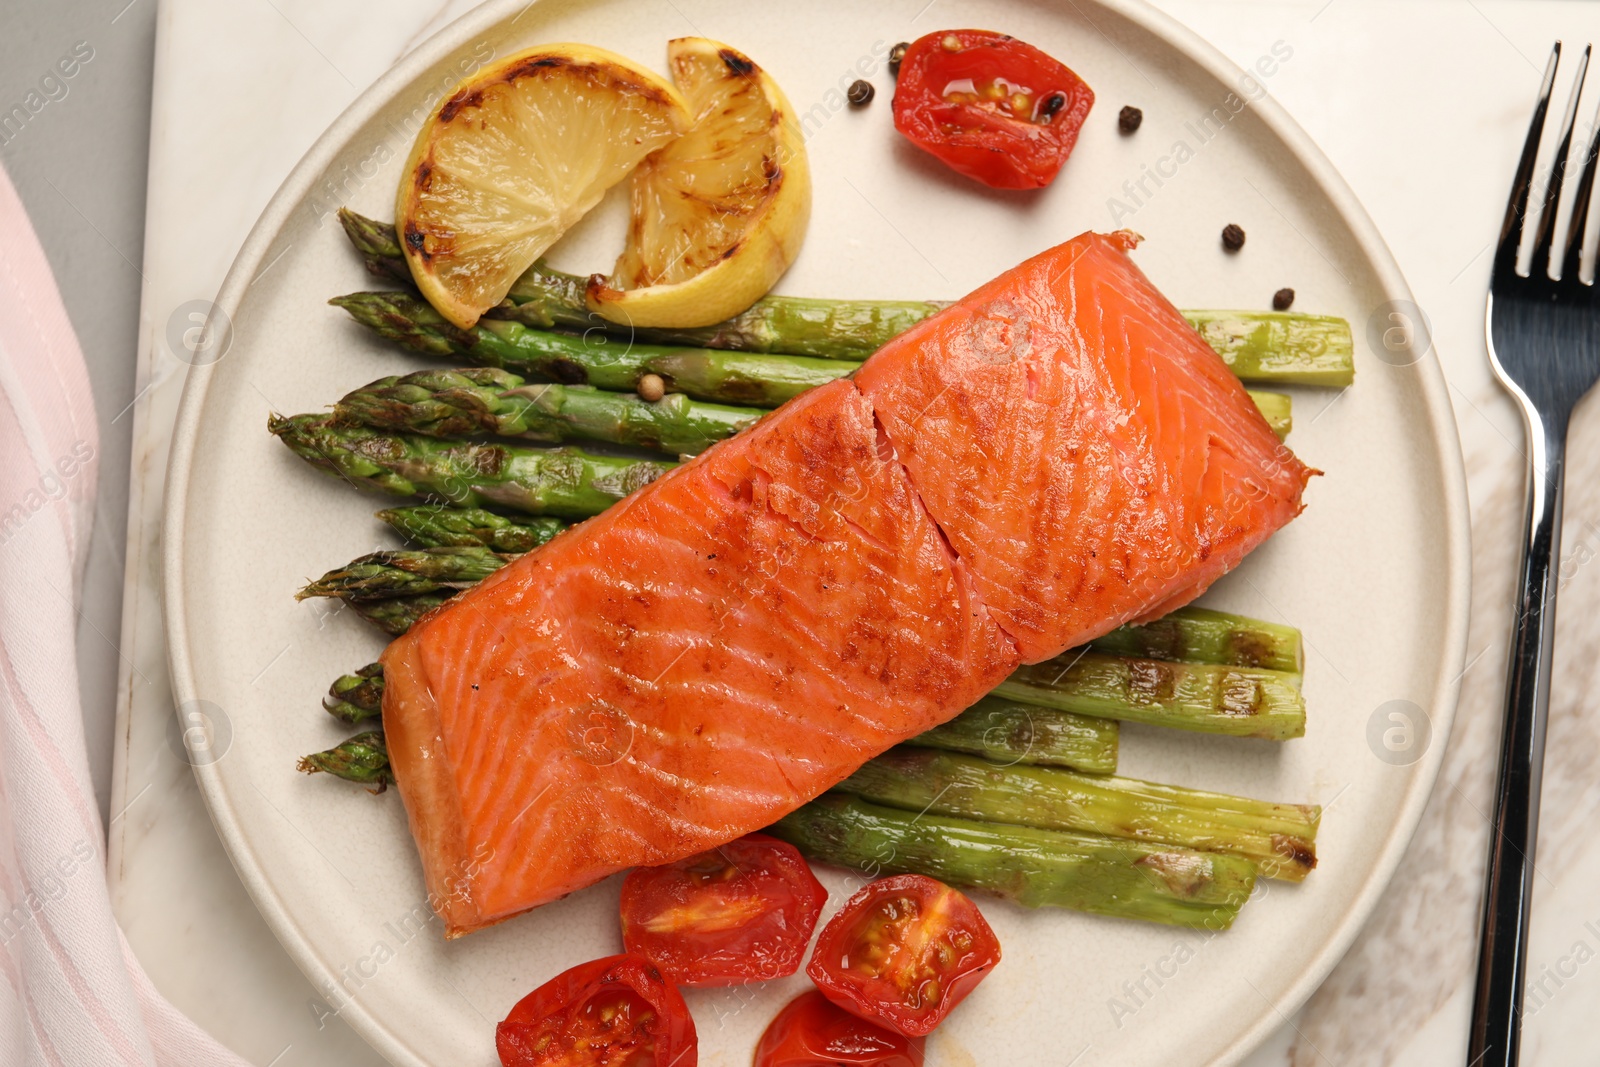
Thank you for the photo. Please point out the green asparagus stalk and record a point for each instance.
(1266, 346)
(555, 481)
(488, 400)
(1034, 867)
(438, 526)
(545, 299)
(1284, 347)
(354, 698)
(406, 572)
(1206, 698)
(1279, 838)
(363, 758)
(1276, 409)
(1200, 635)
(617, 364)
(395, 615)
(1009, 732)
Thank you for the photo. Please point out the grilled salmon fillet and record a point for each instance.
(1053, 456)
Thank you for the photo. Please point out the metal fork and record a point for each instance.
(1544, 344)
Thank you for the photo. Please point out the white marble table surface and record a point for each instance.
(1421, 104)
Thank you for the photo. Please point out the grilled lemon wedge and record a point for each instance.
(718, 214)
(514, 157)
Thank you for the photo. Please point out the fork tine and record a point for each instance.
(1544, 237)
(1505, 254)
(1579, 226)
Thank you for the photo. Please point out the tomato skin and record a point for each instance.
(983, 138)
(738, 913)
(903, 952)
(812, 1031)
(612, 1012)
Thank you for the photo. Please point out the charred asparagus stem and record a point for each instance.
(441, 526)
(363, 758)
(1279, 838)
(617, 364)
(554, 481)
(545, 298)
(1010, 732)
(1206, 698)
(1034, 867)
(1200, 635)
(407, 572)
(395, 615)
(1261, 346)
(356, 697)
(488, 400)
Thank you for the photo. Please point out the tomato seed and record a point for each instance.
(951, 43)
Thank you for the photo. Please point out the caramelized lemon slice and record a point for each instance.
(518, 153)
(718, 214)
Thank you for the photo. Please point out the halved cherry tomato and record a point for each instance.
(992, 107)
(612, 1012)
(812, 1031)
(740, 912)
(903, 952)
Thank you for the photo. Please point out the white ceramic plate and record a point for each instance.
(1375, 572)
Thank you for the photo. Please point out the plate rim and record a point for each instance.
(485, 19)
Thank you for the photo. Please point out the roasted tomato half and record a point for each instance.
(903, 952)
(612, 1012)
(812, 1031)
(992, 107)
(743, 911)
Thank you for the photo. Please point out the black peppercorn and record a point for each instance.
(1129, 118)
(1232, 237)
(1282, 299)
(859, 93)
(897, 55)
(1051, 104)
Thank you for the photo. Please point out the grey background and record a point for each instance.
(79, 165)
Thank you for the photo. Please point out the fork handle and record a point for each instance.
(1508, 892)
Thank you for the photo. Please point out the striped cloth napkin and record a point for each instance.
(73, 994)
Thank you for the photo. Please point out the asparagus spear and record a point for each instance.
(493, 401)
(1206, 698)
(1034, 867)
(438, 526)
(1278, 346)
(406, 572)
(395, 615)
(555, 481)
(356, 697)
(363, 758)
(545, 298)
(617, 364)
(1279, 838)
(1200, 635)
(1010, 732)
